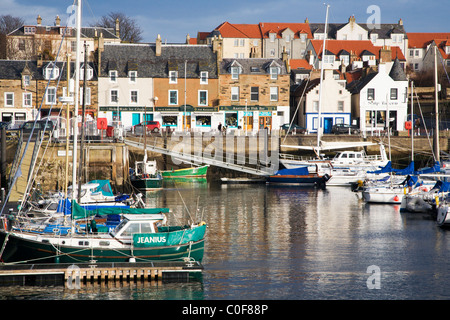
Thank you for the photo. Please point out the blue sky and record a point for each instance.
(173, 19)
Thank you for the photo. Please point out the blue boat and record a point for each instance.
(298, 176)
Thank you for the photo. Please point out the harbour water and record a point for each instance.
(289, 243)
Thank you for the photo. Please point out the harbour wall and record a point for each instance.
(112, 160)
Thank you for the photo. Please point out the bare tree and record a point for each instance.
(128, 28)
(8, 24)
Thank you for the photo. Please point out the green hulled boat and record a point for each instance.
(138, 237)
(193, 172)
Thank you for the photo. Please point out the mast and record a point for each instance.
(412, 122)
(436, 108)
(319, 120)
(80, 168)
(76, 97)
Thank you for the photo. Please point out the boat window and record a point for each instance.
(53, 206)
(146, 227)
(351, 155)
(344, 155)
(131, 229)
(359, 155)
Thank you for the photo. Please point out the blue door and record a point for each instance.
(136, 119)
(149, 116)
(327, 124)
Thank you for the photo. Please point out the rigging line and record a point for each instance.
(35, 121)
(424, 124)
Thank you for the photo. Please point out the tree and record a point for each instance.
(8, 24)
(128, 28)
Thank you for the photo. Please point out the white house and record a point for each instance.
(379, 93)
(335, 103)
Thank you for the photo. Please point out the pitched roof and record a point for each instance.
(299, 64)
(229, 30)
(118, 56)
(278, 28)
(252, 65)
(86, 32)
(423, 39)
(384, 30)
(397, 72)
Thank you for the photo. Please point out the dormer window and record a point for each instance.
(26, 80)
(90, 72)
(234, 72)
(273, 73)
(113, 76)
(204, 77)
(29, 30)
(173, 76)
(272, 37)
(132, 75)
(51, 71)
(447, 49)
(328, 59)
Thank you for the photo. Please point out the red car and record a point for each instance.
(152, 126)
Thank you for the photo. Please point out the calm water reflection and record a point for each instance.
(268, 242)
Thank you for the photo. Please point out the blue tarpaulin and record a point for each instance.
(300, 171)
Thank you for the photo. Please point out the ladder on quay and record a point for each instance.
(258, 170)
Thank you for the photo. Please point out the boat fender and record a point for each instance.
(202, 223)
(396, 198)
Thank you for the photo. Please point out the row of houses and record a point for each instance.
(240, 76)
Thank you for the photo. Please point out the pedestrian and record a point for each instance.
(219, 127)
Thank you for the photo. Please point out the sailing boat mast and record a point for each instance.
(436, 108)
(412, 122)
(76, 97)
(319, 120)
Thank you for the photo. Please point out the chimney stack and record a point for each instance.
(385, 54)
(188, 38)
(57, 21)
(39, 20)
(158, 45)
(117, 28)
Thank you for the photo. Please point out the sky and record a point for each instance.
(174, 19)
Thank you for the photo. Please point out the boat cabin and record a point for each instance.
(146, 168)
(349, 157)
(138, 223)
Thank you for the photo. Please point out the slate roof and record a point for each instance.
(250, 64)
(397, 72)
(142, 58)
(12, 69)
(86, 32)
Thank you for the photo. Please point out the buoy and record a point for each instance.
(396, 198)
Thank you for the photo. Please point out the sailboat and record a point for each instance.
(101, 235)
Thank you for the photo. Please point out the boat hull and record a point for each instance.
(19, 249)
(443, 218)
(383, 196)
(194, 172)
(147, 183)
(306, 180)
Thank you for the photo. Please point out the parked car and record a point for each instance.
(293, 128)
(343, 128)
(152, 126)
(46, 125)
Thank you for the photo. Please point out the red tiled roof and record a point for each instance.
(229, 30)
(299, 64)
(442, 43)
(274, 27)
(193, 41)
(423, 39)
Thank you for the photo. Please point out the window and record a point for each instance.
(303, 37)
(231, 119)
(273, 73)
(411, 53)
(272, 37)
(394, 93)
(273, 93)
(272, 52)
(173, 97)
(133, 96)
(26, 79)
(22, 44)
(287, 38)
(316, 106)
(9, 99)
(27, 99)
(170, 121)
(51, 72)
(234, 93)
(254, 94)
(204, 77)
(417, 52)
(203, 98)
(29, 30)
(173, 76)
(341, 106)
(236, 42)
(113, 76)
(345, 59)
(234, 72)
(114, 94)
(88, 96)
(203, 121)
(328, 59)
(50, 97)
(90, 73)
(242, 42)
(371, 94)
(132, 75)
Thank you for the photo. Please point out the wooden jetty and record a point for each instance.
(83, 273)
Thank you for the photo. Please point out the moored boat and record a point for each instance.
(298, 176)
(193, 172)
(146, 176)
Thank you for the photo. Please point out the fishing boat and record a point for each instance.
(193, 172)
(298, 176)
(142, 235)
(146, 176)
